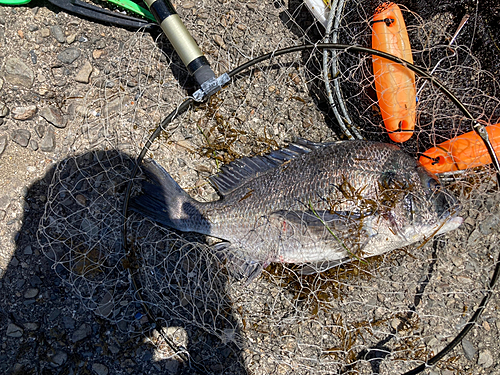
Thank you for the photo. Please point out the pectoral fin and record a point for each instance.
(238, 264)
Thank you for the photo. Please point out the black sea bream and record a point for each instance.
(313, 204)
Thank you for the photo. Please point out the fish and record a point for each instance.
(312, 204)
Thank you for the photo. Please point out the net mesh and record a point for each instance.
(385, 315)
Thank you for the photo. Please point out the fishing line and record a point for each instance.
(182, 108)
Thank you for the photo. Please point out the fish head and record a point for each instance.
(415, 206)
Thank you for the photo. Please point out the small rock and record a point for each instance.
(71, 38)
(31, 326)
(17, 73)
(82, 332)
(48, 142)
(28, 250)
(54, 314)
(68, 322)
(98, 53)
(14, 331)
(218, 39)
(45, 32)
(34, 58)
(59, 358)
(4, 110)
(24, 113)
(469, 349)
(31, 293)
(57, 33)
(187, 4)
(485, 359)
(33, 145)
(84, 74)
(54, 116)
(21, 137)
(40, 130)
(69, 55)
(489, 224)
(105, 307)
(100, 369)
(3, 143)
(1, 83)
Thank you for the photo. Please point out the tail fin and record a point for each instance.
(164, 201)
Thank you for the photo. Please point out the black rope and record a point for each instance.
(478, 127)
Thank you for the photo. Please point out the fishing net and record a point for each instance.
(387, 314)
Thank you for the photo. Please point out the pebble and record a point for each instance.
(105, 307)
(14, 331)
(54, 116)
(488, 225)
(69, 55)
(57, 33)
(1, 83)
(17, 73)
(54, 314)
(82, 332)
(4, 110)
(59, 358)
(83, 75)
(485, 359)
(33, 145)
(100, 369)
(28, 250)
(71, 38)
(68, 322)
(469, 349)
(31, 293)
(3, 143)
(31, 326)
(21, 137)
(48, 142)
(34, 58)
(24, 113)
(40, 130)
(45, 32)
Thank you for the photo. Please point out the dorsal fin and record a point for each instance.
(240, 171)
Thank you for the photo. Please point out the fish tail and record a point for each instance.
(165, 202)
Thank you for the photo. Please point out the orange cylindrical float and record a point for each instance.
(394, 83)
(462, 152)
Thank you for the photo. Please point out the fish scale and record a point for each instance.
(311, 203)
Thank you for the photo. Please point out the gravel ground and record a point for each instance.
(71, 87)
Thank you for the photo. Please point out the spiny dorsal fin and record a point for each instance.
(240, 171)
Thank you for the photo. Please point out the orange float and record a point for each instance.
(462, 152)
(394, 83)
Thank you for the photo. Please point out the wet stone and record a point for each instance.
(68, 322)
(31, 293)
(100, 369)
(54, 314)
(3, 143)
(31, 326)
(54, 116)
(48, 142)
(57, 33)
(17, 73)
(69, 55)
(21, 137)
(469, 349)
(82, 332)
(14, 331)
(59, 358)
(24, 113)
